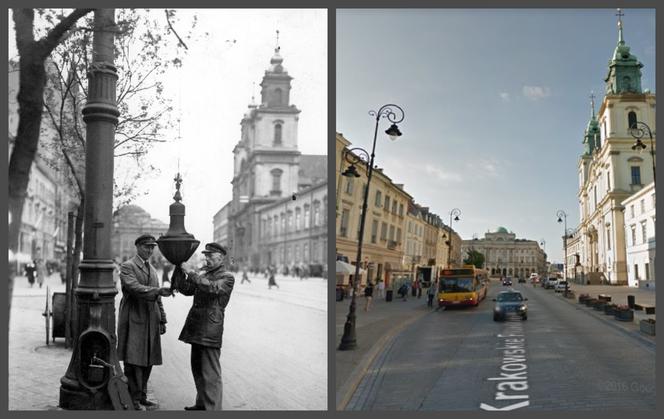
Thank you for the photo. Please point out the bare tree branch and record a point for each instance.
(174, 31)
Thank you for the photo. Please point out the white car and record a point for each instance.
(560, 286)
(551, 283)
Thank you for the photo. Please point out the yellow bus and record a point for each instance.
(465, 286)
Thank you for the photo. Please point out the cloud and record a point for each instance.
(536, 92)
(505, 96)
(484, 168)
(441, 175)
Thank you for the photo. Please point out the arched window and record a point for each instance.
(631, 120)
(277, 134)
(277, 97)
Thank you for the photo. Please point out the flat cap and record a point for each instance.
(146, 239)
(215, 248)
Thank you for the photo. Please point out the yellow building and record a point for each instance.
(385, 224)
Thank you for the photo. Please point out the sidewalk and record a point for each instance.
(373, 331)
(618, 295)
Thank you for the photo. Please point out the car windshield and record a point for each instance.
(509, 296)
(456, 284)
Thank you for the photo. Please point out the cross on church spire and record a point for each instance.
(620, 14)
(277, 48)
(592, 102)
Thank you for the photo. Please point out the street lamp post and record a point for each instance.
(293, 198)
(562, 216)
(395, 115)
(638, 130)
(454, 213)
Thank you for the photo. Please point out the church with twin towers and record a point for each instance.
(277, 216)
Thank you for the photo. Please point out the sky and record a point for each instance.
(495, 102)
(211, 92)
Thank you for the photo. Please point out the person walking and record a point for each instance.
(141, 320)
(368, 295)
(30, 269)
(403, 291)
(418, 286)
(204, 326)
(380, 287)
(431, 293)
(271, 281)
(245, 277)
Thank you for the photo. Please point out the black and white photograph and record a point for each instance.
(167, 206)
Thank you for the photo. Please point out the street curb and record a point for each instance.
(634, 334)
(347, 389)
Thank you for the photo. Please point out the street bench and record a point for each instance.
(604, 297)
(649, 309)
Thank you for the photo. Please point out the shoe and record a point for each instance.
(148, 403)
(194, 407)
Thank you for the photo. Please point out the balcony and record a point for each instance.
(391, 244)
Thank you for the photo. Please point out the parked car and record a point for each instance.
(550, 283)
(561, 285)
(508, 303)
(507, 281)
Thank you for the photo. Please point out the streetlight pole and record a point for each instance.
(562, 215)
(638, 130)
(395, 115)
(454, 213)
(293, 198)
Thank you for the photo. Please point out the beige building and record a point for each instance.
(414, 246)
(640, 213)
(610, 171)
(129, 222)
(383, 247)
(505, 255)
(220, 225)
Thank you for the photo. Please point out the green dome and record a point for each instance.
(501, 230)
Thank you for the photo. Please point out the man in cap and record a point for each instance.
(204, 326)
(141, 320)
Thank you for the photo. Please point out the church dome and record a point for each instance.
(501, 230)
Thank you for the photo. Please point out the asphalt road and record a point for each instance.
(560, 358)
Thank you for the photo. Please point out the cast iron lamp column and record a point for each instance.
(293, 198)
(454, 213)
(638, 130)
(562, 215)
(388, 111)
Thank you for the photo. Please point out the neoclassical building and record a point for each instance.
(609, 170)
(268, 171)
(505, 255)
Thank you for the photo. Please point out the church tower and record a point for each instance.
(609, 170)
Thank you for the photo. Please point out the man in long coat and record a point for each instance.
(204, 326)
(141, 320)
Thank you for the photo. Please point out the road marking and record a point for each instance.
(512, 383)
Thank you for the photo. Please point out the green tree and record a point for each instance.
(474, 258)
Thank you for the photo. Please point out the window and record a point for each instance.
(633, 228)
(349, 186)
(636, 271)
(391, 232)
(636, 175)
(289, 218)
(316, 213)
(631, 120)
(644, 232)
(401, 210)
(374, 231)
(631, 210)
(394, 206)
(383, 231)
(298, 219)
(283, 222)
(399, 235)
(387, 203)
(307, 215)
(343, 228)
(277, 134)
(647, 269)
(608, 181)
(276, 181)
(643, 206)
(378, 198)
(608, 238)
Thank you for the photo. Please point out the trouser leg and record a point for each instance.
(207, 376)
(134, 374)
(144, 383)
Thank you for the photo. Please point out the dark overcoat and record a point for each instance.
(141, 312)
(205, 321)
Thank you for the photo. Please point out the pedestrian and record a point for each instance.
(271, 281)
(41, 272)
(418, 285)
(431, 293)
(141, 320)
(368, 294)
(245, 277)
(30, 269)
(204, 326)
(403, 291)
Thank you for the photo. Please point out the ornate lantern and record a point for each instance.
(177, 245)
